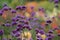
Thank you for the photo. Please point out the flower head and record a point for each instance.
(1, 32)
(18, 8)
(56, 1)
(23, 7)
(13, 11)
(5, 8)
(1, 13)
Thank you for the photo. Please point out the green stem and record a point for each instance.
(1, 37)
(7, 37)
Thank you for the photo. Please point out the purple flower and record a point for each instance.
(22, 21)
(6, 8)
(17, 19)
(26, 22)
(7, 24)
(49, 21)
(56, 29)
(37, 30)
(22, 17)
(14, 19)
(50, 31)
(35, 19)
(48, 38)
(50, 35)
(18, 29)
(29, 28)
(32, 7)
(29, 19)
(14, 23)
(1, 32)
(23, 7)
(39, 39)
(17, 35)
(1, 13)
(56, 1)
(33, 14)
(26, 26)
(19, 25)
(38, 36)
(4, 39)
(18, 16)
(14, 31)
(42, 9)
(41, 32)
(18, 8)
(13, 11)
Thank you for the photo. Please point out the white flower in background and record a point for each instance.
(26, 35)
(27, 14)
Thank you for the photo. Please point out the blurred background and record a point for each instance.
(47, 4)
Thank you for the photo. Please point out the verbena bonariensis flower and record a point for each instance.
(37, 30)
(1, 13)
(32, 7)
(39, 39)
(49, 21)
(41, 35)
(56, 1)
(5, 8)
(18, 8)
(50, 35)
(19, 27)
(27, 26)
(17, 16)
(15, 33)
(7, 24)
(13, 11)
(13, 19)
(23, 7)
(23, 23)
(48, 38)
(50, 31)
(13, 23)
(33, 14)
(41, 32)
(1, 32)
(4, 39)
(41, 9)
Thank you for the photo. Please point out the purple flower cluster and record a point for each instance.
(1, 32)
(18, 24)
(48, 36)
(56, 3)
